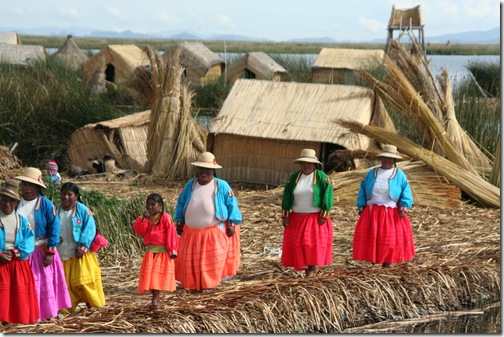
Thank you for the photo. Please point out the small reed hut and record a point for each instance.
(116, 62)
(21, 55)
(70, 54)
(10, 38)
(337, 66)
(255, 65)
(201, 64)
(124, 138)
(263, 126)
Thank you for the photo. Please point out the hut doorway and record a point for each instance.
(110, 73)
(248, 74)
(334, 161)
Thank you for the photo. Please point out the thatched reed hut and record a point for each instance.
(255, 65)
(337, 66)
(22, 55)
(201, 64)
(263, 125)
(124, 138)
(116, 62)
(10, 38)
(70, 54)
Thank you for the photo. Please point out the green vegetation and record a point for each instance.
(249, 46)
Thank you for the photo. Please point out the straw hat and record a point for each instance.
(32, 175)
(207, 160)
(309, 156)
(390, 151)
(10, 188)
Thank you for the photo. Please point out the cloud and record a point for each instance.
(225, 22)
(167, 18)
(69, 12)
(481, 8)
(116, 13)
(372, 24)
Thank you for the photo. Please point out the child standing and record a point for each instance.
(52, 171)
(161, 243)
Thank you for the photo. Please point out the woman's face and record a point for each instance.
(205, 175)
(68, 199)
(306, 167)
(387, 163)
(29, 190)
(7, 204)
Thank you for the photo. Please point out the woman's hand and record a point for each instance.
(79, 253)
(48, 259)
(322, 221)
(403, 214)
(285, 222)
(180, 228)
(230, 231)
(6, 257)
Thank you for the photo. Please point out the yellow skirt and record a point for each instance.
(84, 282)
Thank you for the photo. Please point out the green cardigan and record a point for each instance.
(323, 194)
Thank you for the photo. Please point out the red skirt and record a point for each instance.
(381, 235)
(157, 272)
(306, 243)
(19, 301)
(233, 256)
(201, 258)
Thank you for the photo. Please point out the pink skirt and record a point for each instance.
(382, 236)
(306, 243)
(157, 273)
(50, 283)
(201, 258)
(233, 258)
(18, 296)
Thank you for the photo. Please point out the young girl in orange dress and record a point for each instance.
(161, 243)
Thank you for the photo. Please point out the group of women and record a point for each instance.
(45, 264)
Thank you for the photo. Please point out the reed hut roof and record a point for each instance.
(294, 111)
(21, 54)
(340, 58)
(70, 53)
(9, 38)
(197, 56)
(125, 138)
(259, 63)
(400, 18)
(125, 58)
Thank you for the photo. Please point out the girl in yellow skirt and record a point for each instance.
(78, 230)
(161, 243)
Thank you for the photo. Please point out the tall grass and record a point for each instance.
(41, 105)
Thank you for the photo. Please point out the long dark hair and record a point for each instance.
(157, 198)
(70, 186)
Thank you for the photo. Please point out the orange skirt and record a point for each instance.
(202, 257)
(233, 256)
(157, 273)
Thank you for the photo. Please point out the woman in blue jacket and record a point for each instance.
(383, 232)
(78, 230)
(45, 261)
(18, 297)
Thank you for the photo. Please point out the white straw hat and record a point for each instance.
(390, 151)
(309, 156)
(32, 175)
(10, 188)
(207, 160)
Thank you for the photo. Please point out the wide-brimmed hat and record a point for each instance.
(32, 175)
(309, 156)
(207, 160)
(10, 188)
(390, 151)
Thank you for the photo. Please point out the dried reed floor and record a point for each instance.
(266, 297)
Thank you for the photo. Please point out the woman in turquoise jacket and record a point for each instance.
(78, 230)
(18, 296)
(383, 232)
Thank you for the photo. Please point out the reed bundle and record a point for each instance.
(495, 173)
(9, 163)
(480, 190)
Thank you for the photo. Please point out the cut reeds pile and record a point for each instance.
(9, 163)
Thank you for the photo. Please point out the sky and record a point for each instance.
(277, 20)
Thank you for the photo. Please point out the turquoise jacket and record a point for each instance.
(24, 244)
(83, 225)
(47, 224)
(323, 193)
(399, 189)
(226, 205)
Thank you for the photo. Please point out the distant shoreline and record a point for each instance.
(250, 46)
